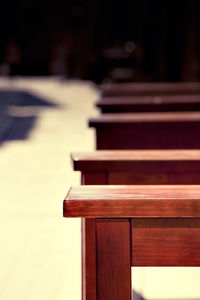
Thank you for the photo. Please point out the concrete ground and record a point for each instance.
(40, 250)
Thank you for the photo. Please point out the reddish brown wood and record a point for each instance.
(113, 259)
(159, 88)
(133, 201)
(156, 177)
(88, 238)
(117, 160)
(149, 103)
(170, 117)
(166, 242)
(93, 178)
(165, 231)
(89, 243)
(147, 131)
(139, 166)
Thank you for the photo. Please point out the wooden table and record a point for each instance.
(151, 88)
(172, 130)
(134, 226)
(149, 103)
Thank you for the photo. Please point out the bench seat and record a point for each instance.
(149, 104)
(134, 226)
(138, 166)
(150, 88)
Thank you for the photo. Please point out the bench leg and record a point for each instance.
(88, 259)
(113, 261)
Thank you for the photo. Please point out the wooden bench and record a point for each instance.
(134, 226)
(134, 167)
(172, 130)
(138, 166)
(150, 89)
(149, 104)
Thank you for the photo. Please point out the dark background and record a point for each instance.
(102, 40)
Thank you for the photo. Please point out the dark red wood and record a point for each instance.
(93, 178)
(166, 242)
(88, 241)
(141, 89)
(138, 166)
(165, 227)
(147, 131)
(113, 259)
(139, 201)
(149, 104)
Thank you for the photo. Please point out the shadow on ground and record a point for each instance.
(18, 113)
(136, 296)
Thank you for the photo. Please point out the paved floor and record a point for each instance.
(40, 251)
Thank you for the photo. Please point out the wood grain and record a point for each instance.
(113, 259)
(166, 242)
(133, 201)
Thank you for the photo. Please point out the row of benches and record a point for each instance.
(149, 215)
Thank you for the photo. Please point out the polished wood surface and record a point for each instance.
(158, 88)
(133, 201)
(149, 103)
(165, 228)
(180, 130)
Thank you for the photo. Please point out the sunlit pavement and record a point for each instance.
(40, 250)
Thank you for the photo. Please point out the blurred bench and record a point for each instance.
(137, 226)
(150, 89)
(149, 104)
(134, 226)
(138, 166)
(172, 130)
